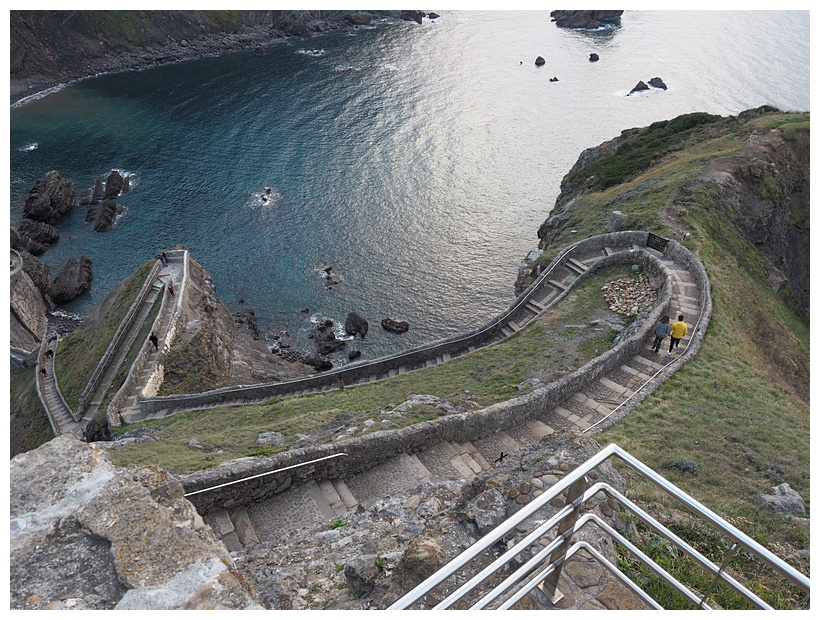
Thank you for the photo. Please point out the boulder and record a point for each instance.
(317, 361)
(617, 221)
(540, 61)
(99, 191)
(657, 82)
(354, 354)
(34, 237)
(269, 438)
(49, 198)
(487, 510)
(397, 327)
(325, 338)
(553, 79)
(38, 271)
(114, 184)
(247, 318)
(412, 16)
(593, 57)
(785, 500)
(640, 86)
(355, 324)
(421, 559)
(72, 281)
(358, 19)
(86, 534)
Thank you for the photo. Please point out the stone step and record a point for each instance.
(576, 265)
(325, 510)
(507, 331)
(534, 307)
(244, 528)
(608, 251)
(511, 444)
(462, 468)
(345, 495)
(332, 498)
(423, 473)
(557, 285)
(539, 429)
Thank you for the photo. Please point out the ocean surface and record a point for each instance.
(417, 161)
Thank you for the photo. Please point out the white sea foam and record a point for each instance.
(311, 52)
(29, 147)
(62, 314)
(38, 95)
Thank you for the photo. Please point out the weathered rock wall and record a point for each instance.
(28, 310)
(88, 535)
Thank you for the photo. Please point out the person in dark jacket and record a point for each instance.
(661, 332)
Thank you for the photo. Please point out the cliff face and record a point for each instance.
(51, 47)
(28, 310)
(88, 535)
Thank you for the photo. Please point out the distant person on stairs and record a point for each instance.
(171, 288)
(154, 340)
(677, 331)
(661, 332)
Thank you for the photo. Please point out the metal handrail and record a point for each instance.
(267, 473)
(579, 475)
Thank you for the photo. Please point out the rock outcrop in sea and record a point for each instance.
(587, 20)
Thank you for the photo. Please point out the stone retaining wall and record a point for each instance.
(177, 324)
(239, 395)
(363, 451)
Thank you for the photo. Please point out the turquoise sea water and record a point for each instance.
(417, 161)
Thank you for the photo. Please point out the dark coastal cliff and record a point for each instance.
(51, 47)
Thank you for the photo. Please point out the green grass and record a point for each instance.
(80, 351)
(740, 409)
(486, 376)
(29, 425)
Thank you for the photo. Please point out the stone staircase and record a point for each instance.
(320, 502)
(59, 412)
(122, 351)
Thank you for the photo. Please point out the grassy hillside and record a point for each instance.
(733, 422)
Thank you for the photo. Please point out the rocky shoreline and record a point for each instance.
(49, 50)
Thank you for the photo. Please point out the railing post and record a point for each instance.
(550, 585)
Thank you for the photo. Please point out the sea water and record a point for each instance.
(416, 161)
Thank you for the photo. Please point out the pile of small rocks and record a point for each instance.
(630, 296)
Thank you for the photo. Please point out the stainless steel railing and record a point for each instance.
(543, 570)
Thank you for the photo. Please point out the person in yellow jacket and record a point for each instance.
(677, 331)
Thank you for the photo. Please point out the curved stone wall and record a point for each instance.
(363, 451)
(351, 374)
